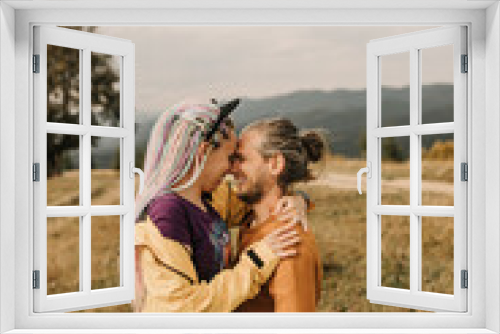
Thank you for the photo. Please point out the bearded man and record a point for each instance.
(271, 157)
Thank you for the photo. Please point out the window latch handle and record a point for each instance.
(133, 170)
(368, 171)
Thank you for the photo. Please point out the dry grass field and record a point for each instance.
(339, 223)
(338, 220)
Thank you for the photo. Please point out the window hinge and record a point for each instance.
(465, 64)
(36, 172)
(464, 171)
(36, 63)
(36, 279)
(465, 279)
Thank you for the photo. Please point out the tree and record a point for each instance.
(392, 150)
(63, 97)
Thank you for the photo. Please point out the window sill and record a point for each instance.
(251, 331)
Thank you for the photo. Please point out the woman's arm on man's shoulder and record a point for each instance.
(170, 282)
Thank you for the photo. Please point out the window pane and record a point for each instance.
(63, 85)
(105, 89)
(105, 252)
(437, 254)
(63, 170)
(395, 171)
(63, 255)
(395, 82)
(437, 84)
(437, 170)
(395, 271)
(105, 161)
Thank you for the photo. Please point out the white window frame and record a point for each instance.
(85, 43)
(413, 45)
(15, 162)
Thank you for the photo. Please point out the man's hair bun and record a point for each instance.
(299, 148)
(314, 144)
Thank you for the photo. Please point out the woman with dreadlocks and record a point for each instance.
(181, 240)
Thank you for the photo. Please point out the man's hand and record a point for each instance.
(292, 208)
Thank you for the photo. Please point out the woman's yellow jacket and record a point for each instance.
(166, 280)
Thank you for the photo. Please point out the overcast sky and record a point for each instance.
(175, 63)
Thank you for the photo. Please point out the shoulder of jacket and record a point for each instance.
(167, 251)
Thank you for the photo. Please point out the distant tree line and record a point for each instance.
(392, 150)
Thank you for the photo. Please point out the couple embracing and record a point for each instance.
(184, 259)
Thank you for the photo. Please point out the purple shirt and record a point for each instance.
(205, 233)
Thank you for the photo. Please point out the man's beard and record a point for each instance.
(253, 195)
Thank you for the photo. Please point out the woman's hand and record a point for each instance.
(281, 239)
(292, 208)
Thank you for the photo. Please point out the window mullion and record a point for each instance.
(127, 272)
(421, 211)
(415, 251)
(434, 211)
(85, 255)
(40, 155)
(421, 129)
(85, 226)
(460, 155)
(433, 129)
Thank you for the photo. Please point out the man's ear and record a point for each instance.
(277, 164)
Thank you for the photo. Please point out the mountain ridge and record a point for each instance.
(341, 112)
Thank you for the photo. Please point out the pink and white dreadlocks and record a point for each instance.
(172, 148)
